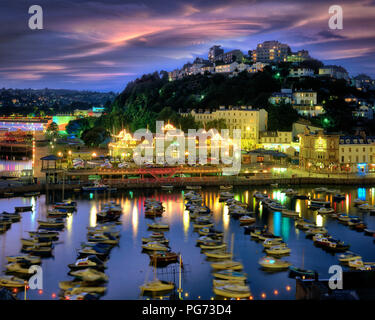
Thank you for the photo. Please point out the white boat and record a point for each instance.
(16, 268)
(226, 188)
(8, 281)
(167, 187)
(324, 210)
(359, 264)
(349, 256)
(289, 213)
(271, 263)
(233, 291)
(319, 203)
(359, 202)
(268, 243)
(156, 286)
(89, 274)
(230, 275)
(289, 192)
(219, 254)
(366, 207)
(320, 190)
(227, 265)
(213, 247)
(278, 250)
(24, 257)
(247, 220)
(193, 187)
(155, 246)
(158, 226)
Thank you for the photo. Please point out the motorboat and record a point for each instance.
(90, 275)
(358, 202)
(158, 226)
(9, 281)
(303, 224)
(259, 195)
(89, 262)
(220, 283)
(233, 291)
(65, 205)
(103, 238)
(366, 207)
(156, 285)
(359, 264)
(289, 192)
(193, 187)
(155, 246)
(270, 263)
(163, 257)
(13, 216)
(51, 223)
(318, 203)
(23, 208)
(79, 289)
(331, 244)
(315, 230)
(302, 273)
(218, 254)
(38, 250)
(230, 275)
(268, 235)
(36, 241)
(289, 213)
(348, 256)
(247, 220)
(203, 224)
(268, 243)
(276, 207)
(226, 188)
(56, 213)
(224, 196)
(228, 264)
(18, 268)
(167, 187)
(339, 197)
(44, 234)
(206, 231)
(24, 258)
(212, 246)
(89, 286)
(369, 232)
(96, 187)
(93, 250)
(159, 240)
(278, 250)
(320, 190)
(325, 210)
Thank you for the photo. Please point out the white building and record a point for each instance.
(227, 68)
(256, 67)
(301, 72)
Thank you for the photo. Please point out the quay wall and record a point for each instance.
(204, 181)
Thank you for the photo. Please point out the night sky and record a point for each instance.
(103, 44)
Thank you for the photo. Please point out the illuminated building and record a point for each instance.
(123, 145)
(250, 121)
(271, 51)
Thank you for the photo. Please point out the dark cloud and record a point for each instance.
(102, 44)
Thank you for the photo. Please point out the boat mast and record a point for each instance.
(179, 280)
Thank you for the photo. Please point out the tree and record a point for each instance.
(95, 136)
(52, 129)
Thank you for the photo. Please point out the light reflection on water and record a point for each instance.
(127, 266)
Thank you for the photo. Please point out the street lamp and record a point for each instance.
(93, 154)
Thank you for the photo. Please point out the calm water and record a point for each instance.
(128, 267)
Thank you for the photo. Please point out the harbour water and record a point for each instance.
(128, 267)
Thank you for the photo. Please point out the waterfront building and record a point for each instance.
(279, 141)
(337, 153)
(122, 145)
(271, 51)
(250, 121)
(319, 151)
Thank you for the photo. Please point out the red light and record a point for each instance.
(40, 291)
(53, 295)
(15, 290)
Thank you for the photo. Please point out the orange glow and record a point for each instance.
(288, 288)
(275, 292)
(263, 295)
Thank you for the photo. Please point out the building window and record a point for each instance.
(342, 159)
